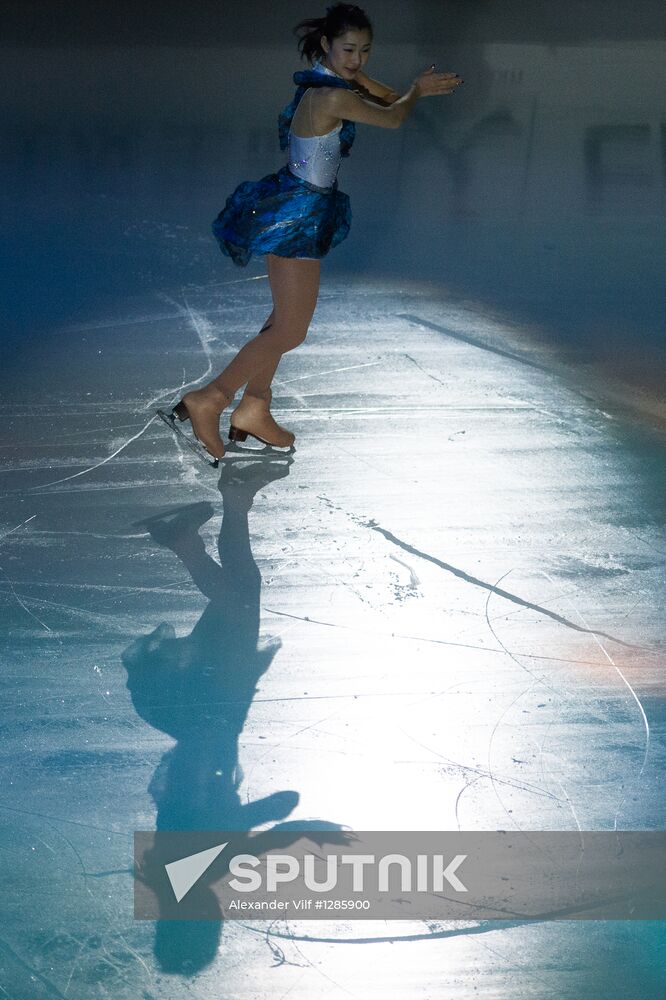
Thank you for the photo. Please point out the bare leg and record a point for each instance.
(253, 412)
(260, 383)
(294, 287)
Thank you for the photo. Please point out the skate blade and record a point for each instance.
(194, 446)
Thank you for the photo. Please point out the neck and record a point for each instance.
(320, 65)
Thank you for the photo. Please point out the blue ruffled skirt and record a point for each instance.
(284, 215)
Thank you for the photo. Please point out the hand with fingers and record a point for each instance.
(431, 84)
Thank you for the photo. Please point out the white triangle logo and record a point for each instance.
(185, 872)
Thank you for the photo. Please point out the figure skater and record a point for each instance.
(295, 216)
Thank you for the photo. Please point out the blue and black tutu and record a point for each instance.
(284, 214)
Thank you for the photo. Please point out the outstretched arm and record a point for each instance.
(342, 103)
(387, 94)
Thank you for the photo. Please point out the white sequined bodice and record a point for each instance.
(315, 158)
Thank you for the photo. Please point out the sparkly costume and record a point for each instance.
(298, 211)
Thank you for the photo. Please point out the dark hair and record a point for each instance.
(340, 17)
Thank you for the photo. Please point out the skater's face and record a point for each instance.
(347, 54)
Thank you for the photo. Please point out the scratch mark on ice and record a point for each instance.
(639, 704)
(98, 465)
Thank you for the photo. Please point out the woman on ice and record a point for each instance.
(295, 216)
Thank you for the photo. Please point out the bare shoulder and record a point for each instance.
(324, 116)
(324, 100)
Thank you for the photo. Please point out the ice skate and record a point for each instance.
(202, 407)
(252, 416)
(198, 449)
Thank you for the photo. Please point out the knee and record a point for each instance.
(297, 337)
(292, 335)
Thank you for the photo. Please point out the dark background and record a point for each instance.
(206, 23)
